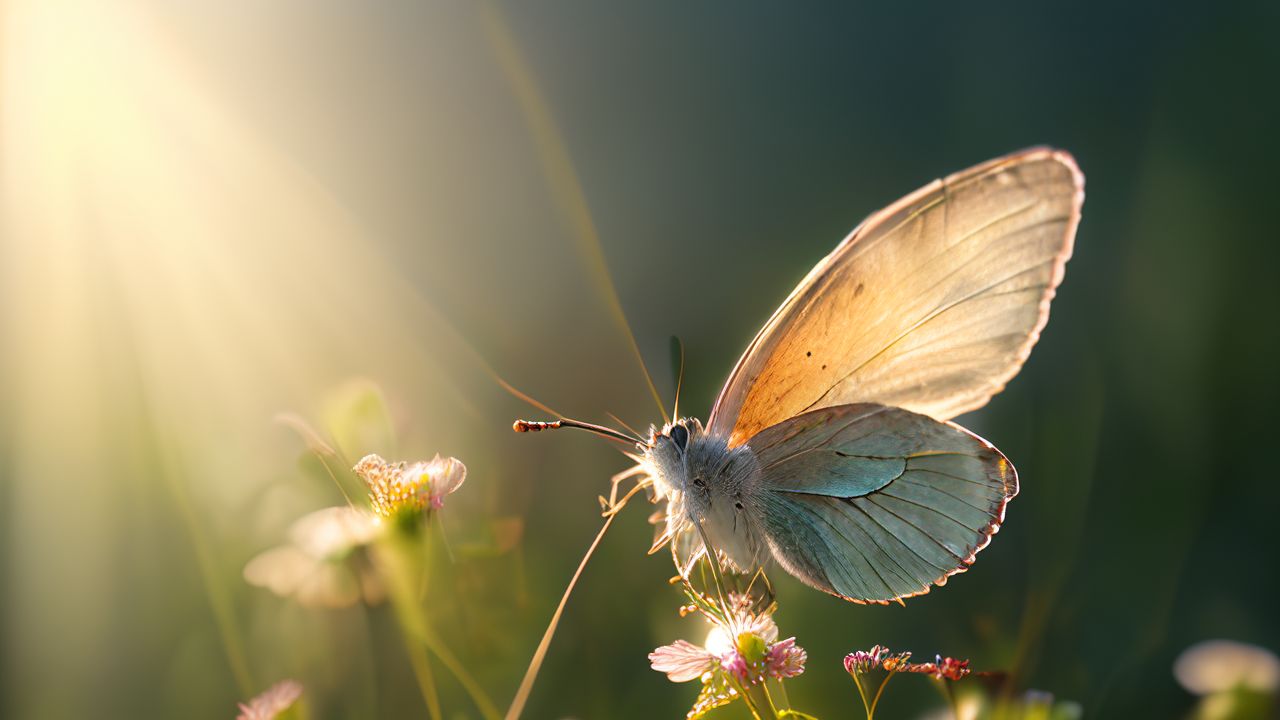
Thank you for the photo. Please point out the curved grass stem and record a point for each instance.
(526, 685)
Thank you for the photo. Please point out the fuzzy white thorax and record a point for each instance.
(707, 483)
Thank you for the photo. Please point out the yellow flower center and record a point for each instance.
(391, 489)
(751, 647)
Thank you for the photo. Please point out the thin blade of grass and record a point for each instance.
(526, 685)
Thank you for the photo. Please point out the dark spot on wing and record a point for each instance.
(858, 290)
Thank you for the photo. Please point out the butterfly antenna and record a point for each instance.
(677, 345)
(623, 423)
(521, 426)
(561, 175)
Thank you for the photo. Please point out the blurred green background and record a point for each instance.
(216, 212)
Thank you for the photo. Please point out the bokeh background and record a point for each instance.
(215, 212)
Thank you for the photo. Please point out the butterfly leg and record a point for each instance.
(617, 507)
(613, 505)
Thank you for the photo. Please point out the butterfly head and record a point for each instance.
(672, 442)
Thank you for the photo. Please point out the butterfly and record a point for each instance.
(830, 450)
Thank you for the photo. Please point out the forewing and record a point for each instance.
(931, 304)
(874, 503)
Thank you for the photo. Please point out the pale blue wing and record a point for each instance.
(875, 503)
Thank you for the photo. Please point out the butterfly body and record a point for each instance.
(708, 483)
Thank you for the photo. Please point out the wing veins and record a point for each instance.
(913, 551)
(956, 477)
(921, 530)
(915, 327)
(958, 499)
(852, 545)
(823, 445)
(904, 575)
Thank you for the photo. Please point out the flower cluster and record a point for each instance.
(947, 668)
(325, 563)
(878, 657)
(742, 651)
(872, 670)
(397, 487)
(746, 647)
(863, 661)
(273, 701)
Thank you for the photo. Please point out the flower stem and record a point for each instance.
(422, 671)
(879, 691)
(752, 697)
(768, 698)
(951, 699)
(862, 695)
(400, 566)
(782, 692)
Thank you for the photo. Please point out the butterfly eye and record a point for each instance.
(680, 434)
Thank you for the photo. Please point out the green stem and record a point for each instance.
(879, 691)
(768, 697)
(399, 571)
(862, 695)
(468, 683)
(782, 691)
(757, 699)
(951, 699)
(422, 671)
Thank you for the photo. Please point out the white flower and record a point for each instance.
(318, 568)
(273, 701)
(747, 648)
(394, 487)
(1217, 666)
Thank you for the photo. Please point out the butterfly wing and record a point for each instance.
(931, 304)
(874, 503)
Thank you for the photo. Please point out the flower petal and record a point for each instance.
(447, 475)
(273, 701)
(761, 625)
(719, 641)
(333, 532)
(786, 659)
(280, 569)
(1217, 665)
(681, 661)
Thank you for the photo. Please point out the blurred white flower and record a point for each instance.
(1215, 666)
(320, 566)
(273, 701)
(395, 487)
